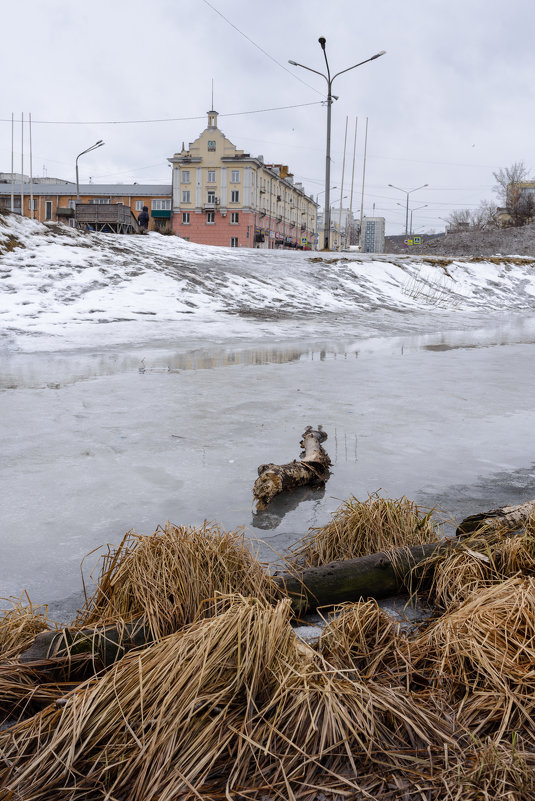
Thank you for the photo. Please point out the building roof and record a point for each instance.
(96, 190)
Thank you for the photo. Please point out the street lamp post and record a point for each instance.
(417, 209)
(413, 210)
(98, 144)
(407, 192)
(330, 97)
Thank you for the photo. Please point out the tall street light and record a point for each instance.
(98, 144)
(330, 98)
(407, 192)
(417, 208)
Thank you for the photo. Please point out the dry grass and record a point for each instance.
(233, 703)
(19, 624)
(358, 636)
(358, 528)
(166, 578)
(492, 770)
(451, 575)
(481, 656)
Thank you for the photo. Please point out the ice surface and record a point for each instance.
(145, 379)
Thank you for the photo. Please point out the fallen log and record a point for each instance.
(312, 469)
(379, 575)
(505, 518)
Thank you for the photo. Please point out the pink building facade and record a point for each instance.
(225, 197)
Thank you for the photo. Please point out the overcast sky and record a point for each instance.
(450, 102)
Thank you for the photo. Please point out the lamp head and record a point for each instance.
(293, 63)
(322, 40)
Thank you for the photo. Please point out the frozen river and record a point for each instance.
(95, 444)
(130, 396)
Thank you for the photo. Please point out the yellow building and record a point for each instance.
(224, 196)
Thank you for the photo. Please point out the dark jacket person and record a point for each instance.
(143, 219)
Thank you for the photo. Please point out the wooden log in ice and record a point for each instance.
(312, 468)
(505, 518)
(379, 575)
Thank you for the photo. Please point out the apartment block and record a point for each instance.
(224, 196)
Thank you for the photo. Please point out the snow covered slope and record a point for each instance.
(61, 288)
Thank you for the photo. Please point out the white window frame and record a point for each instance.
(234, 176)
(210, 196)
(161, 204)
(34, 204)
(185, 218)
(235, 196)
(140, 204)
(99, 201)
(211, 179)
(185, 177)
(234, 217)
(186, 196)
(234, 242)
(210, 217)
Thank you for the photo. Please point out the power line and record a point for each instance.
(167, 119)
(260, 48)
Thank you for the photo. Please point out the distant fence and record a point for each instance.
(111, 218)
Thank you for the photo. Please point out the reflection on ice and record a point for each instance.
(52, 370)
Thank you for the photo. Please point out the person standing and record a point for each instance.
(143, 220)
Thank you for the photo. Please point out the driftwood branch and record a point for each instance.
(505, 518)
(312, 469)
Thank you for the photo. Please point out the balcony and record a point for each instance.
(211, 204)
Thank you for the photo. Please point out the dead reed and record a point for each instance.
(357, 637)
(19, 623)
(481, 656)
(491, 770)
(358, 528)
(488, 557)
(233, 706)
(166, 578)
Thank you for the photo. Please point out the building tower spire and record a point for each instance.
(212, 115)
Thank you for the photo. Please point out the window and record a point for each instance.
(139, 205)
(48, 210)
(235, 196)
(186, 194)
(185, 176)
(185, 217)
(99, 200)
(234, 217)
(211, 145)
(72, 204)
(34, 204)
(234, 176)
(210, 217)
(211, 176)
(161, 205)
(233, 241)
(211, 196)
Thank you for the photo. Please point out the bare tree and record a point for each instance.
(518, 204)
(507, 177)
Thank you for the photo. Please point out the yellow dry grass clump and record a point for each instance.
(488, 557)
(358, 636)
(19, 623)
(165, 578)
(358, 528)
(481, 656)
(231, 705)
